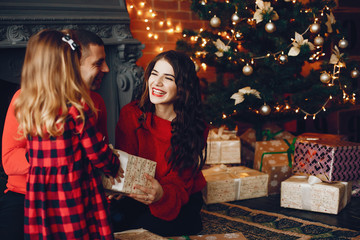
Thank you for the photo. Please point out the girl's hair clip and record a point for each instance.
(71, 42)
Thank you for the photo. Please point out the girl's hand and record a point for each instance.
(152, 194)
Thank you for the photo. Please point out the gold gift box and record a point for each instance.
(134, 168)
(275, 165)
(226, 184)
(298, 193)
(223, 147)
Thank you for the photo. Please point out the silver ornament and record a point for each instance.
(355, 73)
(215, 22)
(265, 110)
(283, 58)
(247, 70)
(325, 77)
(270, 27)
(235, 18)
(319, 40)
(343, 43)
(315, 28)
(238, 34)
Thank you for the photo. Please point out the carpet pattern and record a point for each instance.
(257, 224)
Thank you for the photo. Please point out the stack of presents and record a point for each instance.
(314, 172)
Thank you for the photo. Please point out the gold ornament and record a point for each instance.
(283, 58)
(235, 18)
(355, 73)
(265, 110)
(270, 27)
(319, 41)
(343, 43)
(325, 77)
(215, 21)
(247, 70)
(315, 28)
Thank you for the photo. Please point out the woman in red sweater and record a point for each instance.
(166, 125)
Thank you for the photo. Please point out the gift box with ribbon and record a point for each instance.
(269, 132)
(226, 184)
(310, 193)
(248, 141)
(329, 160)
(275, 158)
(134, 168)
(223, 146)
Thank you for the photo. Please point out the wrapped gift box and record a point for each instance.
(137, 234)
(276, 165)
(355, 188)
(226, 184)
(298, 193)
(223, 147)
(271, 132)
(134, 168)
(328, 160)
(322, 136)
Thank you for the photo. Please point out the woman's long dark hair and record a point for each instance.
(188, 127)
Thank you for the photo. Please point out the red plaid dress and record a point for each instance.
(65, 198)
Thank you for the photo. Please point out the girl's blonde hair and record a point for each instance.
(50, 84)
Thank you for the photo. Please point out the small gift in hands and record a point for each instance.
(134, 168)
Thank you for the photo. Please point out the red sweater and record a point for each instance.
(13, 150)
(152, 141)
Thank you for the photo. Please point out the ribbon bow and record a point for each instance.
(290, 151)
(269, 135)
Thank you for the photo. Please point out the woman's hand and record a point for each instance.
(152, 194)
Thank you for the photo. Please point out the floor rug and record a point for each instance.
(257, 224)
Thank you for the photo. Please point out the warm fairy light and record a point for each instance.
(184, 35)
(148, 28)
(139, 12)
(305, 117)
(146, 20)
(314, 117)
(150, 35)
(150, 10)
(201, 29)
(203, 65)
(131, 6)
(224, 116)
(153, 15)
(156, 36)
(161, 23)
(178, 29)
(170, 30)
(161, 49)
(142, 4)
(168, 23)
(297, 110)
(324, 109)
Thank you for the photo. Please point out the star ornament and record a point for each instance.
(336, 57)
(330, 21)
(239, 96)
(263, 8)
(221, 48)
(297, 43)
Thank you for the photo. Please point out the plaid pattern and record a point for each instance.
(65, 198)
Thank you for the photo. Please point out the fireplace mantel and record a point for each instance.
(20, 19)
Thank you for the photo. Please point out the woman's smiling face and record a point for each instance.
(162, 86)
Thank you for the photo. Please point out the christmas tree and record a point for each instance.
(265, 46)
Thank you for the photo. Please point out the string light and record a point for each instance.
(142, 10)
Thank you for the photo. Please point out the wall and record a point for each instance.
(177, 12)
